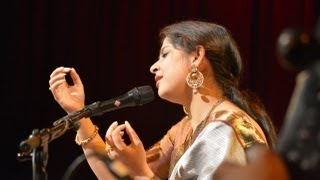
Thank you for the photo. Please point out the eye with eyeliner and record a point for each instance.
(164, 54)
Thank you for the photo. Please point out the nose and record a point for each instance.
(154, 68)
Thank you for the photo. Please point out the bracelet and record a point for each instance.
(86, 141)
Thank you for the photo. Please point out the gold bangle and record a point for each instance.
(86, 141)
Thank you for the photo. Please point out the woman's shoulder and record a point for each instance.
(230, 115)
(246, 129)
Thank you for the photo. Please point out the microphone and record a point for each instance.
(138, 96)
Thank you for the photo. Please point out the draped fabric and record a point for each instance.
(225, 136)
(112, 45)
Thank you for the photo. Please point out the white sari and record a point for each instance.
(225, 138)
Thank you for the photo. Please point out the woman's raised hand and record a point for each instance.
(70, 97)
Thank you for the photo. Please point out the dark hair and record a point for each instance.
(224, 56)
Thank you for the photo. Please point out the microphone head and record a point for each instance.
(142, 95)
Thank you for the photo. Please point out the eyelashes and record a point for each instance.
(164, 55)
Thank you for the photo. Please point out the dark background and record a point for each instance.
(112, 44)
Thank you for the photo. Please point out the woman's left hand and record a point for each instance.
(133, 155)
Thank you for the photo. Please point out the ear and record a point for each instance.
(199, 55)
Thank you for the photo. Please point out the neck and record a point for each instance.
(201, 107)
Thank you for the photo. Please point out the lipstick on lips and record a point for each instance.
(157, 79)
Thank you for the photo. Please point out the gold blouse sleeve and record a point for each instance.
(248, 132)
(159, 155)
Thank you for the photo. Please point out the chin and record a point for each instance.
(165, 95)
(161, 94)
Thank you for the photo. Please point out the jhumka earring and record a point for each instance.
(194, 78)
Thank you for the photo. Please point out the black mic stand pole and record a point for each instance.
(39, 160)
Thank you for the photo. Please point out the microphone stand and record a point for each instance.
(39, 160)
(36, 146)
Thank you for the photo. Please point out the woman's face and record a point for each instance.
(171, 71)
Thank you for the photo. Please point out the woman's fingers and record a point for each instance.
(111, 129)
(60, 70)
(56, 81)
(57, 77)
(114, 136)
(108, 136)
(75, 77)
(56, 71)
(117, 137)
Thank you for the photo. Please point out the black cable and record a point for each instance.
(73, 167)
(76, 164)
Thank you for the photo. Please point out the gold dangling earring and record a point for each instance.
(194, 78)
(186, 112)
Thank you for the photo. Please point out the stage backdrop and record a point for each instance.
(112, 44)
